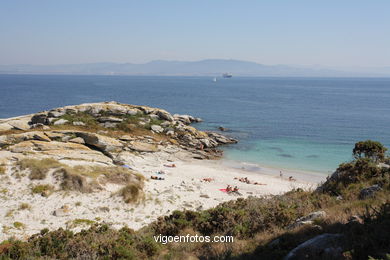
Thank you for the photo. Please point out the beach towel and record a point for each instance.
(223, 190)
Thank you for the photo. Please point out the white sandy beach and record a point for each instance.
(182, 188)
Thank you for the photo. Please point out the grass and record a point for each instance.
(24, 206)
(77, 178)
(81, 222)
(86, 118)
(19, 225)
(44, 189)
(38, 168)
(131, 193)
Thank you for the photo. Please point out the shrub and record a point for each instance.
(24, 206)
(131, 193)
(2, 169)
(369, 149)
(86, 118)
(19, 225)
(38, 168)
(44, 189)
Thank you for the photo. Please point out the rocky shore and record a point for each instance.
(77, 165)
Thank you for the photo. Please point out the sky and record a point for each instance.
(345, 33)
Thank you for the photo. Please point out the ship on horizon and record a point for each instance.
(227, 75)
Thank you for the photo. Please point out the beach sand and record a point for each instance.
(182, 188)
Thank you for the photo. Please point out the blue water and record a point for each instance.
(297, 123)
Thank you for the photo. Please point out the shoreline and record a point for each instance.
(195, 183)
(274, 170)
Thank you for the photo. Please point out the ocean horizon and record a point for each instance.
(308, 124)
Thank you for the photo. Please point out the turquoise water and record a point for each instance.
(293, 154)
(298, 123)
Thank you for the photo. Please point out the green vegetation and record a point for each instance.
(19, 225)
(86, 118)
(75, 178)
(44, 189)
(131, 193)
(130, 123)
(372, 150)
(38, 168)
(24, 206)
(2, 169)
(261, 226)
(81, 222)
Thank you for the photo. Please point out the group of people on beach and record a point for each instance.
(247, 181)
(231, 189)
(291, 178)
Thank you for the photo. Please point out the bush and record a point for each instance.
(44, 189)
(369, 149)
(131, 193)
(38, 168)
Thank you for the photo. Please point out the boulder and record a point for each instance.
(143, 147)
(78, 123)
(155, 117)
(110, 119)
(157, 128)
(60, 122)
(62, 212)
(170, 133)
(221, 139)
(20, 124)
(164, 115)
(222, 129)
(77, 140)
(307, 219)
(40, 118)
(54, 135)
(109, 124)
(126, 138)
(325, 246)
(5, 127)
(182, 118)
(133, 112)
(369, 192)
(165, 124)
(56, 112)
(104, 143)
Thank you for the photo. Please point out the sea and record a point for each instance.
(308, 124)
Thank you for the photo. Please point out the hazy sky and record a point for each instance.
(329, 32)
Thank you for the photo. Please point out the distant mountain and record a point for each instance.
(211, 67)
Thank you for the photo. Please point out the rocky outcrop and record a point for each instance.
(309, 219)
(103, 143)
(325, 246)
(369, 192)
(110, 114)
(143, 147)
(65, 133)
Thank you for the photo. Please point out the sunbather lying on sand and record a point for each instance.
(156, 178)
(207, 179)
(160, 172)
(291, 178)
(247, 181)
(170, 165)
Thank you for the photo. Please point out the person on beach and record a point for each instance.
(170, 165)
(281, 174)
(235, 189)
(228, 188)
(291, 178)
(156, 178)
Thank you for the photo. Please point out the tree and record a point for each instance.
(372, 150)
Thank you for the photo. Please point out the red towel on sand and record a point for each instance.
(223, 190)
